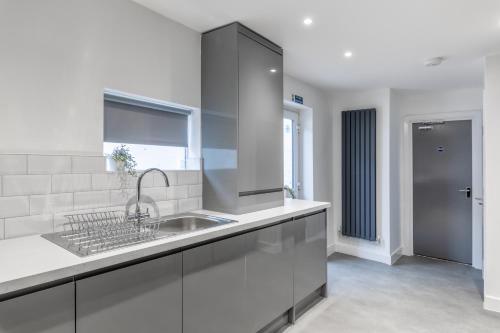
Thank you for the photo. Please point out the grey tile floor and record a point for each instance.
(415, 295)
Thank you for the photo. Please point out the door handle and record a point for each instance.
(466, 190)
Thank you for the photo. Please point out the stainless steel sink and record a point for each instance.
(92, 233)
(189, 222)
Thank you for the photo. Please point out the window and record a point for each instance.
(156, 132)
(291, 151)
(149, 156)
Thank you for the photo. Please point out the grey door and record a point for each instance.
(48, 311)
(145, 298)
(442, 205)
(269, 269)
(214, 280)
(260, 125)
(310, 255)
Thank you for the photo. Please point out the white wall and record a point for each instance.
(57, 56)
(491, 123)
(392, 108)
(316, 99)
(352, 100)
(405, 103)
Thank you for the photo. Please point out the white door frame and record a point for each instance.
(295, 117)
(406, 178)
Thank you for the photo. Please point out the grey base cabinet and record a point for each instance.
(48, 311)
(145, 297)
(248, 283)
(269, 273)
(214, 288)
(310, 255)
(239, 284)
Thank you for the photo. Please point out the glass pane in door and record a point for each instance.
(288, 152)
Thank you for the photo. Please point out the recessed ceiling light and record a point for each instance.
(308, 21)
(273, 70)
(347, 54)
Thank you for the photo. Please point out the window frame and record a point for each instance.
(192, 151)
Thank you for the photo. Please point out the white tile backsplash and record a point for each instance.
(167, 207)
(47, 164)
(51, 203)
(106, 181)
(195, 190)
(25, 185)
(14, 206)
(159, 181)
(177, 192)
(88, 164)
(92, 199)
(71, 183)
(186, 205)
(120, 197)
(28, 225)
(187, 177)
(13, 164)
(36, 191)
(157, 193)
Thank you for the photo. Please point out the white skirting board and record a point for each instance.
(366, 253)
(491, 303)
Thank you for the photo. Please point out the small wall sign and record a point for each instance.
(297, 99)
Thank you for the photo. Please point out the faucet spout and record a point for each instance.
(138, 214)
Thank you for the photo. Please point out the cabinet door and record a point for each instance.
(310, 255)
(214, 288)
(269, 273)
(260, 124)
(145, 298)
(48, 311)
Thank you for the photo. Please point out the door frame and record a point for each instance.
(294, 116)
(406, 178)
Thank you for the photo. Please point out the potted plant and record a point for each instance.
(125, 164)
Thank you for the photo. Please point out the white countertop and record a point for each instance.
(30, 261)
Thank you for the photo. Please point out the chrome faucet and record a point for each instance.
(139, 215)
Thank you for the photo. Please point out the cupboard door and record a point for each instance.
(214, 288)
(145, 298)
(47, 311)
(260, 124)
(269, 273)
(310, 255)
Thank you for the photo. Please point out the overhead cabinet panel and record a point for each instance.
(242, 120)
(260, 126)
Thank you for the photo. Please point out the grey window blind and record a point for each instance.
(136, 121)
(359, 174)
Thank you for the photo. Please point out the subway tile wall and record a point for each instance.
(36, 191)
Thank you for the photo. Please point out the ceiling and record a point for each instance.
(390, 39)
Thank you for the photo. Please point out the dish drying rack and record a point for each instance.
(91, 233)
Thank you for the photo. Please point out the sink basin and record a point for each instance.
(110, 230)
(190, 222)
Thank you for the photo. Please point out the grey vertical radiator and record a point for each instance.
(359, 174)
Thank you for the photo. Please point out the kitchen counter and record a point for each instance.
(31, 261)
